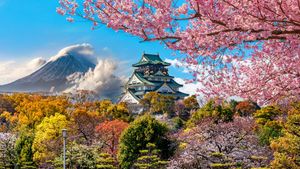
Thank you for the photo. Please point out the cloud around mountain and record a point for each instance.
(100, 80)
(12, 70)
(81, 51)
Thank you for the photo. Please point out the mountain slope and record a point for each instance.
(52, 76)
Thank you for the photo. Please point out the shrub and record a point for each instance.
(79, 156)
(105, 161)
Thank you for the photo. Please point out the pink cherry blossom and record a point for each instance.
(70, 19)
(206, 31)
(61, 11)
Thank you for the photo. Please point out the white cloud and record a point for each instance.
(189, 88)
(186, 67)
(105, 49)
(34, 63)
(101, 80)
(11, 70)
(79, 50)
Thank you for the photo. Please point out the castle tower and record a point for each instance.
(150, 74)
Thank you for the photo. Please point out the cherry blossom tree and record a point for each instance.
(233, 47)
(223, 145)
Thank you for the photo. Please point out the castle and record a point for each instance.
(150, 74)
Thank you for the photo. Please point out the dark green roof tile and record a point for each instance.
(151, 60)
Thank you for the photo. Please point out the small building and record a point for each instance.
(150, 75)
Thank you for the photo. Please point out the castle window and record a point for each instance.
(165, 91)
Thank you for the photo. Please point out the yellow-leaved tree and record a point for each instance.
(287, 147)
(48, 138)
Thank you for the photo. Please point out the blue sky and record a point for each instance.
(32, 28)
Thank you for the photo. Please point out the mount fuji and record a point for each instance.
(53, 75)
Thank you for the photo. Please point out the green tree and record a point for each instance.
(24, 151)
(178, 123)
(269, 131)
(149, 158)
(79, 156)
(269, 125)
(287, 147)
(154, 102)
(212, 109)
(142, 131)
(86, 157)
(118, 111)
(269, 113)
(106, 161)
(110, 111)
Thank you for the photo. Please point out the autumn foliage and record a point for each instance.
(36, 122)
(220, 133)
(109, 132)
(246, 108)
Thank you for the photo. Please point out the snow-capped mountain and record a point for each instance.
(52, 76)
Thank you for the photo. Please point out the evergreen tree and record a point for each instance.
(105, 161)
(142, 131)
(149, 158)
(24, 152)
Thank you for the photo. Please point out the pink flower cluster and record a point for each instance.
(206, 30)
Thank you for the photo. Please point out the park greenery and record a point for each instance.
(102, 134)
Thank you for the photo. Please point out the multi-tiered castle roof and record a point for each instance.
(150, 74)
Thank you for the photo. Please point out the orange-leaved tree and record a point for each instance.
(31, 110)
(109, 132)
